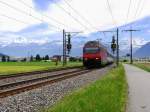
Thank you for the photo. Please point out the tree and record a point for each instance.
(43, 58)
(46, 57)
(31, 58)
(8, 58)
(72, 59)
(3, 59)
(128, 55)
(24, 60)
(38, 58)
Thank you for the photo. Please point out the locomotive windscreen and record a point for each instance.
(91, 50)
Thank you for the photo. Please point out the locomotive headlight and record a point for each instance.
(85, 58)
(97, 58)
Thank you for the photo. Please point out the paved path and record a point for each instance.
(139, 89)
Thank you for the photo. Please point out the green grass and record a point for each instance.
(144, 66)
(7, 68)
(108, 94)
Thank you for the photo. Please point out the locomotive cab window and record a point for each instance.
(91, 50)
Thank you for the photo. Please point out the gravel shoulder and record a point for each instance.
(34, 100)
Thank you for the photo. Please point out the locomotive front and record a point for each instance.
(91, 54)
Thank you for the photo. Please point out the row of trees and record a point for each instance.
(5, 58)
(36, 58)
(39, 58)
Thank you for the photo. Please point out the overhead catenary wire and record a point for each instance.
(11, 18)
(19, 21)
(24, 12)
(128, 12)
(142, 7)
(137, 9)
(79, 14)
(111, 13)
(68, 13)
(50, 18)
(136, 12)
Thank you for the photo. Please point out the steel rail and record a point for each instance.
(35, 72)
(13, 84)
(37, 83)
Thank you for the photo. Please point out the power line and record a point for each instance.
(117, 43)
(128, 12)
(136, 11)
(50, 18)
(17, 20)
(79, 14)
(137, 8)
(21, 11)
(111, 13)
(142, 6)
(74, 18)
(14, 19)
(131, 42)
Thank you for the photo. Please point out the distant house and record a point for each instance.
(59, 57)
(17, 59)
(56, 57)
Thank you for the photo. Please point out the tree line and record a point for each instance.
(39, 58)
(36, 58)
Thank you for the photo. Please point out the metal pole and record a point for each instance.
(131, 59)
(117, 52)
(65, 50)
(63, 47)
(131, 43)
(117, 47)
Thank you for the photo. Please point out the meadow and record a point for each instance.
(7, 68)
(108, 94)
(144, 66)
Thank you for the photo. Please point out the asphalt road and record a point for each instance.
(139, 89)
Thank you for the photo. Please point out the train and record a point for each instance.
(96, 55)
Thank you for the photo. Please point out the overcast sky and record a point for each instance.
(34, 20)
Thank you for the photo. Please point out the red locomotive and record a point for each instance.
(94, 54)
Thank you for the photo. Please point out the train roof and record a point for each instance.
(94, 44)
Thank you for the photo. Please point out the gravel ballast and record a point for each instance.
(46, 96)
(29, 77)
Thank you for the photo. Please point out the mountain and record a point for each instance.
(143, 52)
(19, 44)
(50, 48)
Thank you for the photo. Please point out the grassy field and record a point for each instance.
(108, 94)
(145, 66)
(19, 67)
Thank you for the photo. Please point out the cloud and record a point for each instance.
(39, 34)
(41, 5)
(137, 42)
(26, 25)
(96, 12)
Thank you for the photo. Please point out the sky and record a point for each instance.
(42, 21)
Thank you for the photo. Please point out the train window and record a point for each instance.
(91, 50)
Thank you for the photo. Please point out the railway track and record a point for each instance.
(35, 72)
(17, 87)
